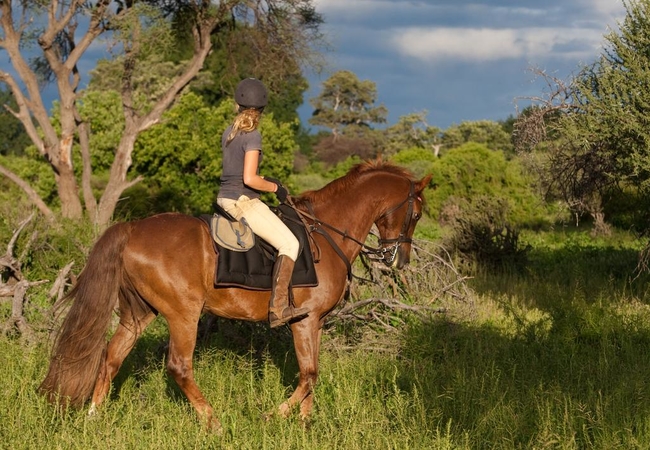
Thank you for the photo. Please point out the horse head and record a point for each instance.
(397, 223)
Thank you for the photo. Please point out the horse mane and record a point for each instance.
(345, 182)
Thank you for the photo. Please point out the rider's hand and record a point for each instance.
(281, 193)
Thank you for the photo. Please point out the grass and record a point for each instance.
(553, 356)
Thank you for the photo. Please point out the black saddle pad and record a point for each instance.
(253, 269)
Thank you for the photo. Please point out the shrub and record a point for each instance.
(482, 235)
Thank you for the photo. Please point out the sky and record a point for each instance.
(460, 60)
(456, 60)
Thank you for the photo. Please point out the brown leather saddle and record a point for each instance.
(252, 268)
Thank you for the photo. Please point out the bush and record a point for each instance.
(473, 171)
(481, 235)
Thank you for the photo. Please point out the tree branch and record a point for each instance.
(27, 189)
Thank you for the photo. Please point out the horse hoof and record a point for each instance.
(214, 426)
(284, 410)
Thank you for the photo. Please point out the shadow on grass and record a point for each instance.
(576, 377)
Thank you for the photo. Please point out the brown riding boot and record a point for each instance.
(281, 310)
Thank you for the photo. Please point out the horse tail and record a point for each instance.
(80, 345)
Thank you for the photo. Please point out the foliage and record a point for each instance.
(472, 171)
(491, 134)
(13, 138)
(273, 47)
(151, 78)
(235, 57)
(101, 108)
(279, 33)
(481, 235)
(418, 160)
(35, 171)
(332, 149)
(345, 100)
(411, 131)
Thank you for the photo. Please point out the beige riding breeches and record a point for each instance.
(264, 223)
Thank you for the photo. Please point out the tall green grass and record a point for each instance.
(553, 356)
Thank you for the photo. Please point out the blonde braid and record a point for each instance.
(246, 121)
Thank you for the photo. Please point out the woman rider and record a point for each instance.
(239, 195)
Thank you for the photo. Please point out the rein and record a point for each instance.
(383, 253)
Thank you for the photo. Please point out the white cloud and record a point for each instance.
(485, 44)
(607, 8)
(352, 7)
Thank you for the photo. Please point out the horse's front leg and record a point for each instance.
(306, 340)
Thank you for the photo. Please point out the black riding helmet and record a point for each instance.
(251, 93)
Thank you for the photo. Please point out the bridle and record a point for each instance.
(387, 250)
(388, 253)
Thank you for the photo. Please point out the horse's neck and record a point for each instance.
(352, 212)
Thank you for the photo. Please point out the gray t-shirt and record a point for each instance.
(232, 179)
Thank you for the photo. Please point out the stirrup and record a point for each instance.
(288, 314)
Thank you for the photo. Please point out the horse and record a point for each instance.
(164, 265)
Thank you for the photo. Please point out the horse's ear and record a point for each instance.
(423, 183)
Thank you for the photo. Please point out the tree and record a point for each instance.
(141, 31)
(412, 131)
(594, 129)
(234, 58)
(344, 101)
(466, 175)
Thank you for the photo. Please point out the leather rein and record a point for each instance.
(384, 253)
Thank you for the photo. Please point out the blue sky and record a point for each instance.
(460, 60)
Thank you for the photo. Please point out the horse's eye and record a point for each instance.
(417, 216)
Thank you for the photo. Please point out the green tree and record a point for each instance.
(411, 131)
(231, 61)
(417, 159)
(346, 101)
(471, 172)
(594, 130)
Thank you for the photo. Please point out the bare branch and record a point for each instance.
(31, 193)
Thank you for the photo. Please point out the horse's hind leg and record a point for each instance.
(122, 342)
(182, 340)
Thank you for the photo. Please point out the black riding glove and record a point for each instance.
(281, 192)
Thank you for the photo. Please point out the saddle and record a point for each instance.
(230, 233)
(240, 264)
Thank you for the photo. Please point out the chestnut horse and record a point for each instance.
(165, 265)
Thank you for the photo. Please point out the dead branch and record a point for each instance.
(16, 287)
(59, 284)
(424, 288)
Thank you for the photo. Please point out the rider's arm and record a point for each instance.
(251, 178)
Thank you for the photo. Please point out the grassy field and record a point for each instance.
(555, 355)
